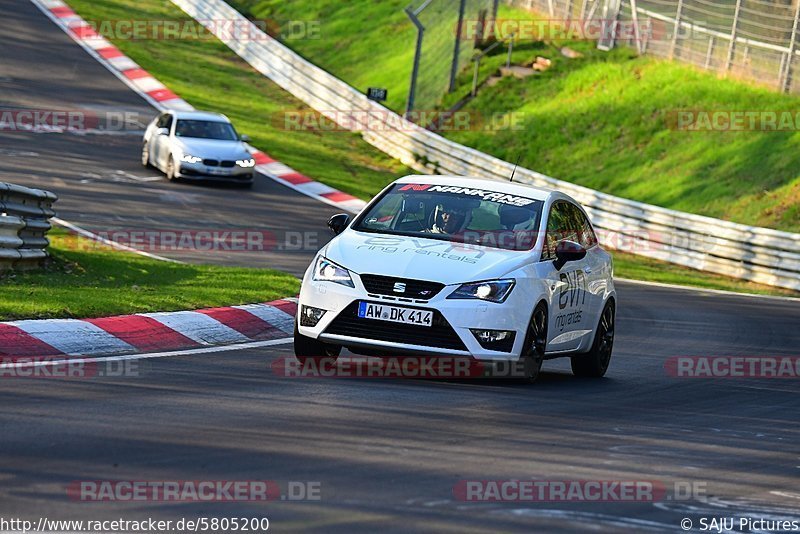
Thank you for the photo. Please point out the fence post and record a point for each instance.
(677, 30)
(495, 7)
(709, 52)
(457, 47)
(412, 88)
(584, 5)
(787, 68)
(475, 76)
(609, 24)
(568, 13)
(732, 44)
(636, 34)
(510, 50)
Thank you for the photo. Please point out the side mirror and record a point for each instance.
(567, 251)
(245, 138)
(338, 223)
(162, 131)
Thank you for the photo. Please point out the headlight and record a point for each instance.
(492, 290)
(246, 163)
(327, 271)
(188, 158)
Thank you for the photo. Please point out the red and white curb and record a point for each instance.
(148, 332)
(162, 98)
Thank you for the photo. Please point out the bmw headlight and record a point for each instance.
(327, 271)
(246, 163)
(188, 158)
(491, 290)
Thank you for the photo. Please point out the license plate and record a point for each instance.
(218, 172)
(395, 314)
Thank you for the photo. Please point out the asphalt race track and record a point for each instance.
(385, 453)
(100, 183)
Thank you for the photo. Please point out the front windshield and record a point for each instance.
(222, 131)
(454, 213)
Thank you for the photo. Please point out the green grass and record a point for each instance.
(366, 44)
(82, 281)
(602, 121)
(208, 74)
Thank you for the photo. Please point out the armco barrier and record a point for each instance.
(24, 223)
(750, 253)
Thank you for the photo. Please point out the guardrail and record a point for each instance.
(749, 253)
(24, 223)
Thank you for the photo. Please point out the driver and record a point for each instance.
(450, 219)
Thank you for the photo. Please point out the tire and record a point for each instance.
(146, 155)
(533, 349)
(307, 348)
(595, 363)
(171, 169)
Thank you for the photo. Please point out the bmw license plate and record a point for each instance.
(395, 314)
(218, 172)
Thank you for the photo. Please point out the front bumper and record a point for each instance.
(457, 316)
(199, 171)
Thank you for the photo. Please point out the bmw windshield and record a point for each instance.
(453, 213)
(221, 131)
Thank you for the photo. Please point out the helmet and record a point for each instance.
(450, 218)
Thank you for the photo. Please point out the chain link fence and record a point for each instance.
(751, 39)
(448, 30)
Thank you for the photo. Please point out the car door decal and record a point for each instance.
(572, 295)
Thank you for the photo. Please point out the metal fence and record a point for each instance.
(445, 44)
(24, 223)
(746, 252)
(750, 39)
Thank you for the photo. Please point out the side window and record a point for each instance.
(558, 229)
(165, 121)
(567, 221)
(585, 234)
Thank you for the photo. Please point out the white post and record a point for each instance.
(787, 68)
(677, 29)
(636, 33)
(609, 24)
(729, 60)
(583, 11)
(709, 52)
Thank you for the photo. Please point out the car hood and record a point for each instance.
(421, 258)
(213, 148)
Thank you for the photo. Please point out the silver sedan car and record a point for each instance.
(195, 145)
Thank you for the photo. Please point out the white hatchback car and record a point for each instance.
(445, 265)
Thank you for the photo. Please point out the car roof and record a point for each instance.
(511, 188)
(200, 116)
